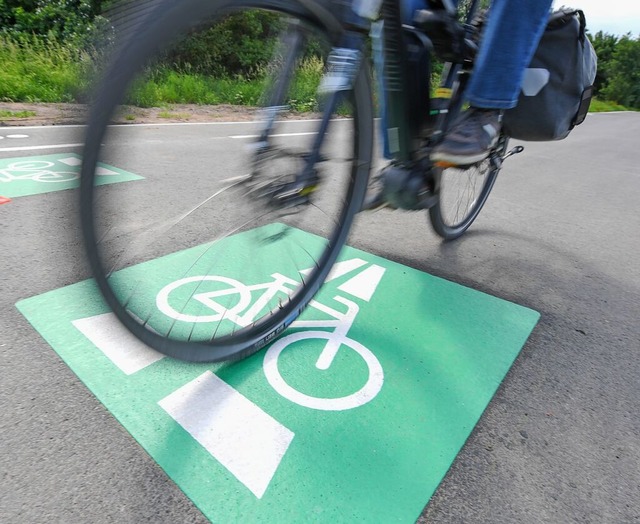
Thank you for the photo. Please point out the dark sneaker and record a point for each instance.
(471, 138)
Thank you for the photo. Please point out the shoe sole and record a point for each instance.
(449, 160)
(452, 160)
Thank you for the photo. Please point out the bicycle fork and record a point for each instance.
(343, 66)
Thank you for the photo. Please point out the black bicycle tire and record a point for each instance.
(448, 232)
(166, 20)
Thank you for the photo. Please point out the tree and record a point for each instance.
(240, 44)
(624, 73)
(59, 19)
(604, 45)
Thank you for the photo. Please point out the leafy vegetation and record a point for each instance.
(623, 73)
(240, 45)
(76, 21)
(49, 50)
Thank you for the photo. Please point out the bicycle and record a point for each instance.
(278, 196)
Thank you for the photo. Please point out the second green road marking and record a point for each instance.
(43, 174)
(277, 438)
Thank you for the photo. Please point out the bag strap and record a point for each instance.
(583, 24)
(559, 18)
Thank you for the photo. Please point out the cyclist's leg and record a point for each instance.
(509, 40)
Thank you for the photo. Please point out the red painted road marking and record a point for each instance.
(4, 200)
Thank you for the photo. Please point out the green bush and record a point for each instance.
(241, 44)
(604, 45)
(623, 84)
(64, 21)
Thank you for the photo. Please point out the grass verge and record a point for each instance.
(162, 86)
(37, 71)
(602, 106)
(4, 113)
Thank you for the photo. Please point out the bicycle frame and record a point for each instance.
(409, 135)
(402, 130)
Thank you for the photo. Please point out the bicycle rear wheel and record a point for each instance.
(249, 200)
(462, 192)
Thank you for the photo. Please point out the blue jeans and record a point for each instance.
(509, 42)
(510, 38)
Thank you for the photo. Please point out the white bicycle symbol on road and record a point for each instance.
(36, 170)
(244, 312)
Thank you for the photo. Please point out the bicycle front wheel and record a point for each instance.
(255, 199)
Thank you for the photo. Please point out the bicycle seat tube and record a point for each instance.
(343, 66)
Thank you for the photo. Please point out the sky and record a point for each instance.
(616, 17)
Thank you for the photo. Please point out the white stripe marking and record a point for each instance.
(364, 284)
(244, 439)
(35, 148)
(120, 346)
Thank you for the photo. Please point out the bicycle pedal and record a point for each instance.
(295, 193)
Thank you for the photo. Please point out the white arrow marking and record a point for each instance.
(70, 161)
(340, 268)
(364, 284)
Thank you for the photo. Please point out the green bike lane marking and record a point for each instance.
(34, 175)
(245, 441)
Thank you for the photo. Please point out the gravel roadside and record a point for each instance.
(25, 114)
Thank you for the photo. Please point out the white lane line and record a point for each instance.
(121, 347)
(17, 136)
(248, 442)
(165, 124)
(36, 148)
(275, 135)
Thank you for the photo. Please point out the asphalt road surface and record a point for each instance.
(560, 442)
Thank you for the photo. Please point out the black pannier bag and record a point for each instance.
(558, 85)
